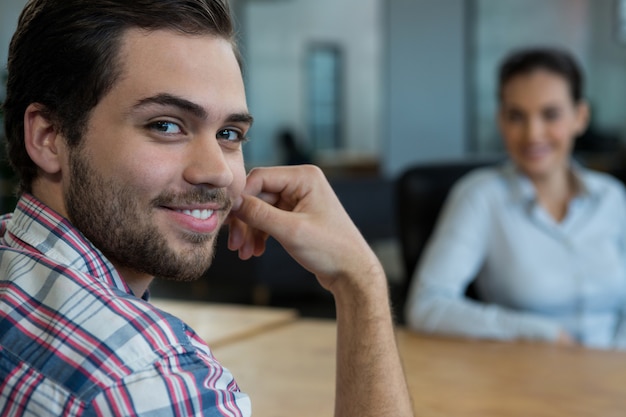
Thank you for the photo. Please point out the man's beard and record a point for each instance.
(108, 213)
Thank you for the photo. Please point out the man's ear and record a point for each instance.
(42, 139)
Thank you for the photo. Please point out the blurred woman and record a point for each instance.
(541, 239)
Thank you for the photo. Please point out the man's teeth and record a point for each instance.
(197, 214)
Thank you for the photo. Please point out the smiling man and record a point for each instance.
(125, 123)
(171, 125)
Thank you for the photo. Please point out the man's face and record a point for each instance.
(161, 161)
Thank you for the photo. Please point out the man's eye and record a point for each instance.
(163, 126)
(229, 135)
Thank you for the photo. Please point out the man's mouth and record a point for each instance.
(197, 214)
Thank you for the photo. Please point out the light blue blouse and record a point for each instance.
(534, 276)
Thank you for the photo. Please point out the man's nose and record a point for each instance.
(207, 163)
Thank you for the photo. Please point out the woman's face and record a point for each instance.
(539, 121)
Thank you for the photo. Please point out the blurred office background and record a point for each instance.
(368, 88)
(394, 82)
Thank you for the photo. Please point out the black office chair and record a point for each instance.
(420, 192)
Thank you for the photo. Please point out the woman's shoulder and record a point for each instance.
(482, 190)
(598, 182)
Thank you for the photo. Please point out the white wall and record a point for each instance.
(276, 38)
(607, 69)
(425, 117)
(9, 13)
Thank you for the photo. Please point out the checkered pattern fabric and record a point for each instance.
(74, 340)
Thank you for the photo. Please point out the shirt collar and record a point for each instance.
(35, 227)
(522, 188)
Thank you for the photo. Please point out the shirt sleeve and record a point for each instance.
(185, 384)
(436, 301)
(620, 334)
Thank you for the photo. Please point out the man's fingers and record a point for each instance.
(245, 239)
(253, 222)
(261, 215)
(289, 184)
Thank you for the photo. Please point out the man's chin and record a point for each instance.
(187, 272)
(179, 278)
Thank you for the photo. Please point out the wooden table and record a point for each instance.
(221, 324)
(450, 377)
(290, 371)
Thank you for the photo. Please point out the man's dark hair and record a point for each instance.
(65, 56)
(557, 61)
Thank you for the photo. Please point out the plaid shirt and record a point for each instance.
(74, 341)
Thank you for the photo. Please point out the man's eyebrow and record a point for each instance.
(173, 101)
(241, 118)
(191, 107)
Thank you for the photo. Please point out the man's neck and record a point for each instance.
(46, 192)
(138, 282)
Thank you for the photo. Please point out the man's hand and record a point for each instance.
(297, 206)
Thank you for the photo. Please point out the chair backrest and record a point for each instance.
(420, 193)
